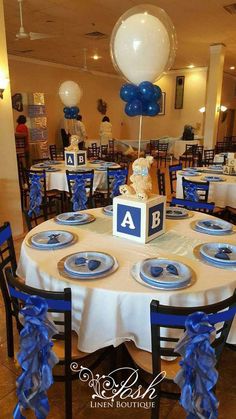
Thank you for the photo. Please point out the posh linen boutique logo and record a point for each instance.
(108, 392)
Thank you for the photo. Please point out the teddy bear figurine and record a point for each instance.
(74, 141)
(141, 186)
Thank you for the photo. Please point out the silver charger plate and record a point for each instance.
(189, 174)
(62, 272)
(135, 272)
(211, 232)
(30, 244)
(198, 256)
(176, 212)
(90, 219)
(52, 169)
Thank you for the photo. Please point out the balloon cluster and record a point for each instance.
(71, 112)
(142, 99)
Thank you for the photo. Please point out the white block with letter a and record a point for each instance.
(137, 220)
(75, 159)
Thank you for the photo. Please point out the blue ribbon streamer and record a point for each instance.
(198, 375)
(35, 194)
(36, 359)
(79, 198)
(119, 179)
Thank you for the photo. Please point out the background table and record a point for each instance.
(222, 193)
(57, 180)
(111, 310)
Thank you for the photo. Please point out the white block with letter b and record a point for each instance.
(75, 159)
(137, 220)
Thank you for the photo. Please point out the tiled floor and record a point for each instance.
(226, 389)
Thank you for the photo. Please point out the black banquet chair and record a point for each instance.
(64, 342)
(167, 325)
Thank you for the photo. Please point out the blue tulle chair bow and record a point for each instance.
(78, 184)
(119, 179)
(36, 194)
(195, 191)
(198, 376)
(36, 359)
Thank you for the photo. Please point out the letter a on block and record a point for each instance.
(70, 160)
(128, 221)
(155, 219)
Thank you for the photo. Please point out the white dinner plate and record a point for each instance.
(209, 251)
(72, 217)
(176, 212)
(217, 226)
(52, 238)
(181, 275)
(79, 263)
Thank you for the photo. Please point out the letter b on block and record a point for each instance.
(81, 159)
(128, 220)
(156, 215)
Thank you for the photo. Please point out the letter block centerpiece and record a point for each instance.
(75, 159)
(141, 221)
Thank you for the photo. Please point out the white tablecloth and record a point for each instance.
(222, 193)
(57, 180)
(111, 310)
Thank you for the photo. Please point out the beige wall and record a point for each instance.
(31, 77)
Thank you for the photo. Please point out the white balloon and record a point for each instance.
(143, 44)
(70, 93)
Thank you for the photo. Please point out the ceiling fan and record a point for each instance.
(22, 34)
(84, 67)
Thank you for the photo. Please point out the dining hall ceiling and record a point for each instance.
(198, 23)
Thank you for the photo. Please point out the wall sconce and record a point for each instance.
(222, 108)
(3, 84)
(202, 110)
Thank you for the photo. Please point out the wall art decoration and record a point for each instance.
(179, 92)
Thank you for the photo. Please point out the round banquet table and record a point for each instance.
(221, 193)
(57, 179)
(111, 310)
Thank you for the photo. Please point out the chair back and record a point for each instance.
(209, 156)
(190, 149)
(154, 145)
(163, 147)
(58, 302)
(53, 151)
(7, 251)
(173, 169)
(161, 182)
(168, 324)
(87, 177)
(115, 178)
(33, 220)
(195, 206)
(104, 150)
(93, 152)
(195, 191)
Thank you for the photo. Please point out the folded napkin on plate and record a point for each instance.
(92, 263)
(223, 253)
(212, 225)
(53, 239)
(158, 270)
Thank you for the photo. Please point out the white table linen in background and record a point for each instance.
(111, 310)
(222, 193)
(57, 180)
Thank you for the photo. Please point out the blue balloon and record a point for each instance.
(153, 109)
(129, 92)
(157, 93)
(133, 108)
(146, 90)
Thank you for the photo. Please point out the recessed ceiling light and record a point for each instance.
(191, 66)
(232, 67)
